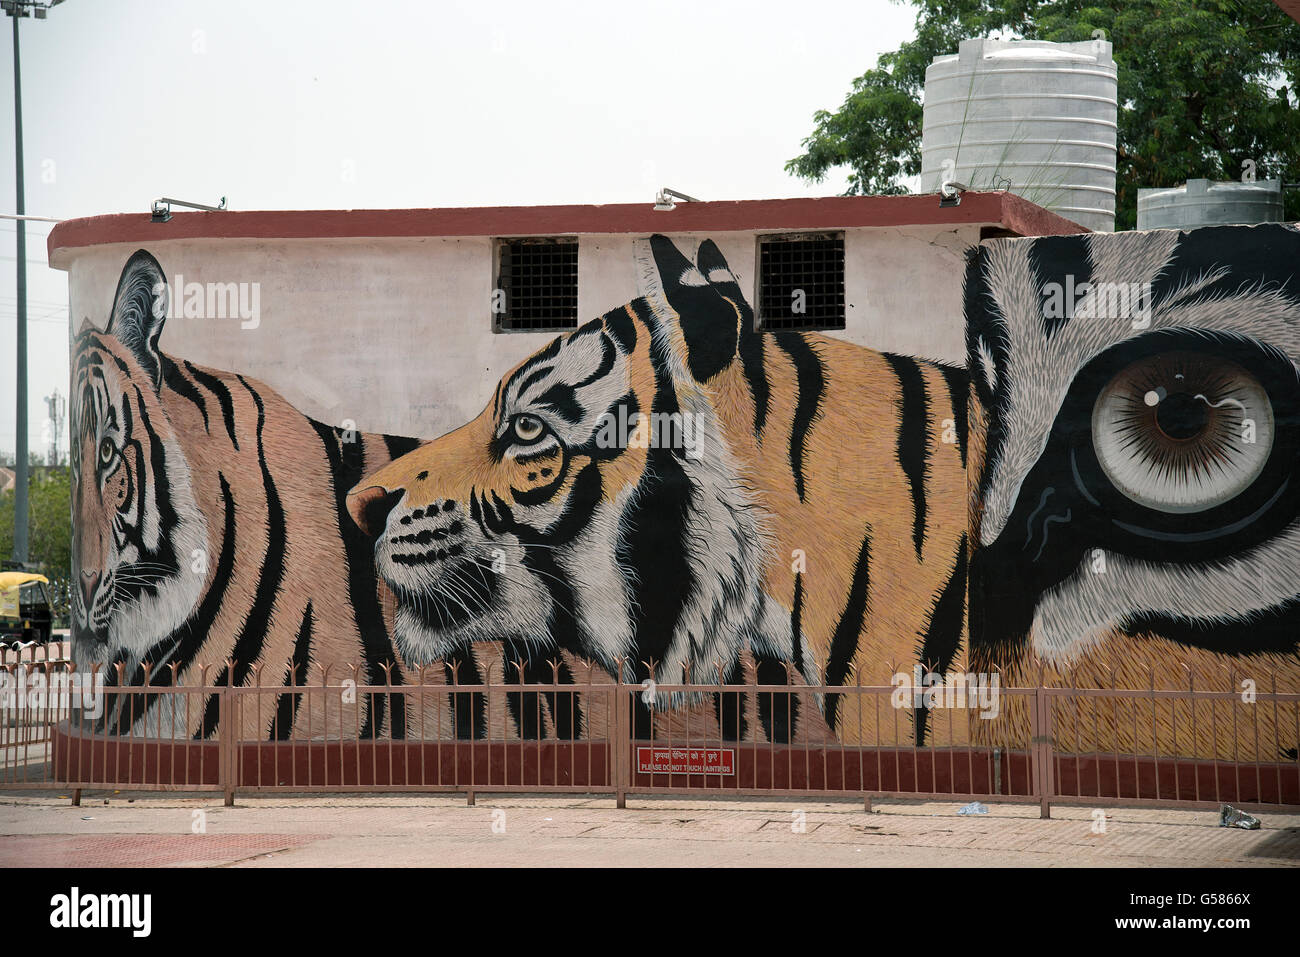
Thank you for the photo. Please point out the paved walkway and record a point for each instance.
(417, 831)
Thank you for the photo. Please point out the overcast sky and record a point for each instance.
(290, 104)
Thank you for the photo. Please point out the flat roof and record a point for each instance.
(999, 209)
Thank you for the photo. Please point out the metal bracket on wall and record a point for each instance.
(664, 199)
(162, 208)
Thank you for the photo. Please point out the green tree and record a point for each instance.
(49, 534)
(1203, 85)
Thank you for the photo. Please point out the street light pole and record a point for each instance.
(20, 470)
(17, 9)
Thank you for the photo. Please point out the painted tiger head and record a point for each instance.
(135, 523)
(594, 504)
(1141, 422)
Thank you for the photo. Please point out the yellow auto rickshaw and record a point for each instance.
(25, 614)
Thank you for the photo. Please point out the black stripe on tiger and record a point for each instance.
(537, 375)
(777, 713)
(286, 705)
(625, 406)
(165, 555)
(397, 445)
(811, 377)
(182, 386)
(1055, 263)
(958, 392)
(525, 706)
(542, 493)
(87, 343)
(751, 363)
(562, 399)
(730, 705)
(167, 517)
(796, 623)
(913, 434)
(136, 489)
(562, 627)
(641, 310)
(347, 466)
(844, 642)
(580, 506)
(468, 709)
(653, 543)
(217, 388)
(248, 643)
(622, 329)
(527, 370)
(943, 630)
(183, 644)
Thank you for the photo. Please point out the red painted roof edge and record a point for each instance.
(837, 212)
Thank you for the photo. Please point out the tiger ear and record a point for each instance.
(139, 311)
(714, 267)
(708, 322)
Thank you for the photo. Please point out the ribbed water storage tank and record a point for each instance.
(1202, 202)
(1033, 117)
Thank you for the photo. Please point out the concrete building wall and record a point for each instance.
(826, 510)
(395, 335)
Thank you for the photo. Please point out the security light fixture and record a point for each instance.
(950, 193)
(664, 200)
(28, 8)
(162, 208)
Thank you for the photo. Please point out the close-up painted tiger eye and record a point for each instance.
(106, 450)
(528, 428)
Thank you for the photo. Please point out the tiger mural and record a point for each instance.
(1134, 516)
(210, 526)
(783, 497)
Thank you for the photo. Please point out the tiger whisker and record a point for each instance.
(568, 611)
(541, 574)
(447, 588)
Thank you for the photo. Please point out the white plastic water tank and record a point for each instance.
(1201, 202)
(1032, 117)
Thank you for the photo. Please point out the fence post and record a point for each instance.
(1041, 728)
(227, 737)
(621, 743)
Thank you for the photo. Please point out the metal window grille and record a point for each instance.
(537, 285)
(801, 282)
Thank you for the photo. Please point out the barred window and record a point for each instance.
(537, 285)
(801, 282)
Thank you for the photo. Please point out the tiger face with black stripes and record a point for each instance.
(668, 485)
(1135, 516)
(207, 523)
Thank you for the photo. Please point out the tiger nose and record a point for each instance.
(89, 582)
(369, 507)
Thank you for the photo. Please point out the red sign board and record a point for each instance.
(686, 760)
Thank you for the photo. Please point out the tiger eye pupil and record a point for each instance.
(1182, 416)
